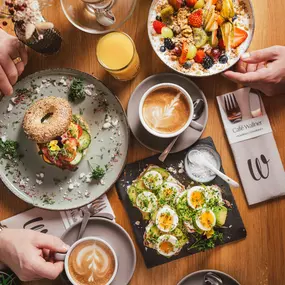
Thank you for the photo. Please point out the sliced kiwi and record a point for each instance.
(200, 37)
(166, 14)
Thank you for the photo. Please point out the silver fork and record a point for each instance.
(232, 108)
(88, 211)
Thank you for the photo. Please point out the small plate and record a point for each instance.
(46, 186)
(197, 278)
(189, 137)
(117, 237)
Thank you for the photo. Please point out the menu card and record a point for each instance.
(253, 145)
(50, 222)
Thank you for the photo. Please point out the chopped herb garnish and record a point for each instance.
(202, 243)
(97, 172)
(9, 149)
(76, 91)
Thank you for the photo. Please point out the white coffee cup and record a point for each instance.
(65, 257)
(187, 97)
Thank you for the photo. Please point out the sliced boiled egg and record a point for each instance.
(152, 180)
(214, 192)
(146, 202)
(196, 197)
(166, 219)
(169, 191)
(167, 245)
(205, 220)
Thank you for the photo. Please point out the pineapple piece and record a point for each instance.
(227, 34)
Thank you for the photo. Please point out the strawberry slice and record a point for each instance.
(157, 25)
(200, 56)
(191, 3)
(176, 4)
(239, 37)
(196, 19)
(183, 57)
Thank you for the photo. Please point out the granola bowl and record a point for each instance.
(200, 38)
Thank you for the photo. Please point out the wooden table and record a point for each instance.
(260, 258)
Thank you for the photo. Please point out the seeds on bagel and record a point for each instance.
(47, 118)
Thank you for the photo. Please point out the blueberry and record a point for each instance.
(187, 64)
(208, 62)
(169, 44)
(158, 18)
(234, 18)
(162, 48)
(223, 59)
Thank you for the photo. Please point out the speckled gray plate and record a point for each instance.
(197, 278)
(189, 137)
(117, 237)
(108, 147)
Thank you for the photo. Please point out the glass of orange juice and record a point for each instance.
(116, 52)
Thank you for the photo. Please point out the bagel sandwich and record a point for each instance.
(62, 138)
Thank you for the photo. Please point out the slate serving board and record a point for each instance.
(234, 230)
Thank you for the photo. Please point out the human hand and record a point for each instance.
(263, 70)
(10, 49)
(28, 254)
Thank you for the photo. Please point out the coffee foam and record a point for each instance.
(166, 110)
(91, 262)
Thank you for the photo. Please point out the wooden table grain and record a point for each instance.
(257, 260)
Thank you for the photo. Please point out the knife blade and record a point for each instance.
(255, 104)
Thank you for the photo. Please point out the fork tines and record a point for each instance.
(232, 108)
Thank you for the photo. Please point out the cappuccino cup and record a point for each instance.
(90, 260)
(166, 110)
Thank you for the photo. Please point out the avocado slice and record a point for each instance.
(221, 214)
(165, 174)
(182, 238)
(132, 192)
(141, 186)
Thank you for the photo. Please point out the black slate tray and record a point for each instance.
(234, 230)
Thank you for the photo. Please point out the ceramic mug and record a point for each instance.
(65, 257)
(189, 122)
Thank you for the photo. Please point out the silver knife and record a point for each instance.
(255, 104)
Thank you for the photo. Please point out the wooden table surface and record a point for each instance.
(260, 258)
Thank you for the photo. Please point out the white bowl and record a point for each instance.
(156, 43)
(165, 85)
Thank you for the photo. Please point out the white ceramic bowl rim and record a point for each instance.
(91, 239)
(189, 100)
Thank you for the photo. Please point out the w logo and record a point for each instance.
(261, 168)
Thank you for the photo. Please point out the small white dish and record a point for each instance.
(179, 89)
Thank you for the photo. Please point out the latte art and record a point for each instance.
(166, 110)
(91, 262)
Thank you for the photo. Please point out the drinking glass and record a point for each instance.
(116, 53)
(98, 16)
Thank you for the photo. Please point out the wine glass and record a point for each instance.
(98, 16)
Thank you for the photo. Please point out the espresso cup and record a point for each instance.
(89, 262)
(160, 109)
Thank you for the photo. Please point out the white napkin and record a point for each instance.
(255, 151)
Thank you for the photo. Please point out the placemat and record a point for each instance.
(234, 229)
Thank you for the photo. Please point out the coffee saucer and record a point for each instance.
(197, 278)
(189, 137)
(113, 234)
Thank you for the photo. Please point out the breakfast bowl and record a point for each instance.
(200, 38)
